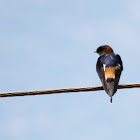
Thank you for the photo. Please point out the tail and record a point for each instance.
(110, 87)
(111, 99)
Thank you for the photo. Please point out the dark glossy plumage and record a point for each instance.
(109, 67)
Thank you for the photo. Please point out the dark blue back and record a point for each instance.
(110, 59)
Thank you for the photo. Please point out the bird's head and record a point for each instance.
(104, 49)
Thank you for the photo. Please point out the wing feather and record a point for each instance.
(109, 87)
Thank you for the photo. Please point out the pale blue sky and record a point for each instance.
(49, 44)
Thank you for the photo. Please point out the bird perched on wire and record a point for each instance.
(109, 67)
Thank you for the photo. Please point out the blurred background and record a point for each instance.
(49, 44)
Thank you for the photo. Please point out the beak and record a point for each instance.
(95, 52)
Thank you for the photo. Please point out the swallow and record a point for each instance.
(109, 68)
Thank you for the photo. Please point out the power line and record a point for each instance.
(66, 90)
